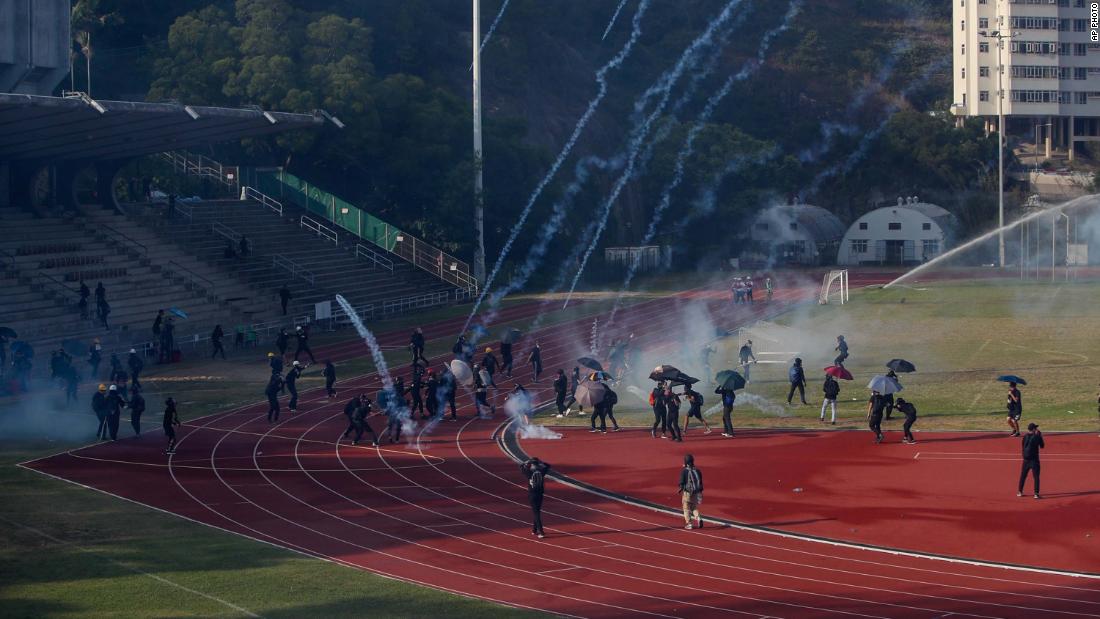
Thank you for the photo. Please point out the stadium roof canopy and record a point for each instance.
(37, 128)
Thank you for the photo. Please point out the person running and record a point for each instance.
(1032, 443)
(672, 414)
(416, 345)
(171, 420)
(302, 333)
(349, 412)
(216, 342)
(291, 381)
(831, 388)
(481, 393)
(137, 407)
(506, 359)
(136, 365)
(906, 408)
(99, 407)
(842, 350)
(115, 404)
(660, 410)
(574, 382)
(1015, 406)
(489, 363)
(330, 378)
(561, 385)
(535, 361)
(745, 355)
(535, 471)
(362, 412)
(876, 405)
(798, 381)
(272, 392)
(729, 396)
(691, 493)
(695, 409)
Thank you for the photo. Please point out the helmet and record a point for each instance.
(296, 364)
(102, 387)
(488, 349)
(132, 351)
(297, 328)
(270, 355)
(113, 388)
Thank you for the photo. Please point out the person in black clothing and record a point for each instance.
(489, 362)
(136, 365)
(399, 391)
(560, 386)
(137, 407)
(831, 389)
(574, 382)
(272, 392)
(431, 393)
(672, 414)
(728, 398)
(99, 407)
(450, 386)
(610, 399)
(842, 350)
(1032, 443)
(167, 340)
(695, 409)
(395, 413)
(104, 311)
(416, 344)
(100, 294)
(657, 401)
(1015, 409)
(275, 363)
(285, 297)
(95, 357)
(158, 322)
(416, 391)
(282, 340)
(361, 423)
(216, 341)
(910, 413)
(506, 360)
(744, 354)
(481, 394)
(230, 251)
(84, 294)
(349, 412)
(115, 404)
(302, 333)
(244, 247)
(460, 349)
(171, 420)
(876, 406)
(291, 381)
(798, 381)
(691, 493)
(535, 360)
(117, 373)
(170, 207)
(890, 397)
(535, 471)
(72, 381)
(330, 378)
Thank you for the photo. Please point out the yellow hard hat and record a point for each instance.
(488, 349)
(270, 355)
(102, 387)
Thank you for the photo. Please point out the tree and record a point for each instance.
(88, 17)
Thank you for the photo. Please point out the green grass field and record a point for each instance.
(961, 335)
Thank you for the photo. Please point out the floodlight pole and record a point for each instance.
(1001, 142)
(479, 187)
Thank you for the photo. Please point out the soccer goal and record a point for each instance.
(840, 278)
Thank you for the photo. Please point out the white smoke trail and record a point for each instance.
(611, 23)
(689, 144)
(762, 404)
(517, 407)
(492, 28)
(601, 79)
(687, 59)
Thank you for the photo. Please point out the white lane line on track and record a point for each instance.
(127, 566)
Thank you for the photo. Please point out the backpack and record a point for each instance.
(536, 481)
(611, 399)
(652, 398)
(691, 486)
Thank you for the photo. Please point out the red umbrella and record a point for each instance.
(838, 371)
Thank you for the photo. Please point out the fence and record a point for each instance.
(376, 259)
(223, 230)
(322, 230)
(192, 280)
(198, 165)
(295, 269)
(249, 193)
(392, 307)
(367, 227)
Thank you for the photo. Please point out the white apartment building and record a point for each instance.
(1051, 67)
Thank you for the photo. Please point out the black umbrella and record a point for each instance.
(591, 393)
(511, 336)
(1007, 378)
(684, 379)
(8, 332)
(730, 380)
(75, 348)
(590, 363)
(901, 365)
(664, 372)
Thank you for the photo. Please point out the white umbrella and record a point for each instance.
(884, 385)
(462, 372)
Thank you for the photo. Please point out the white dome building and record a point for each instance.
(795, 234)
(912, 232)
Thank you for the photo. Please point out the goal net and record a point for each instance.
(835, 285)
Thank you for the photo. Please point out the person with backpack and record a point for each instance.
(691, 493)
(729, 396)
(798, 381)
(910, 413)
(657, 401)
(535, 471)
(842, 351)
(359, 418)
(610, 399)
(695, 409)
(489, 363)
(416, 345)
(672, 414)
(832, 391)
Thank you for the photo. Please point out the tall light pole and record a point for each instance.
(479, 187)
(1036, 158)
(1001, 141)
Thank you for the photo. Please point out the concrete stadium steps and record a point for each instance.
(336, 268)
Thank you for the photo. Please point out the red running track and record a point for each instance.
(448, 511)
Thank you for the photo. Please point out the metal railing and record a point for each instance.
(250, 193)
(121, 236)
(184, 210)
(430, 258)
(376, 259)
(225, 231)
(404, 304)
(191, 278)
(8, 261)
(322, 230)
(198, 165)
(57, 285)
(295, 269)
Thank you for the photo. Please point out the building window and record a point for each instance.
(983, 46)
(962, 25)
(1081, 98)
(1063, 25)
(1080, 25)
(894, 225)
(859, 246)
(983, 71)
(862, 225)
(983, 22)
(794, 225)
(1080, 49)
(1080, 73)
(983, 95)
(931, 247)
(926, 226)
(963, 73)
(762, 227)
(1079, 3)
